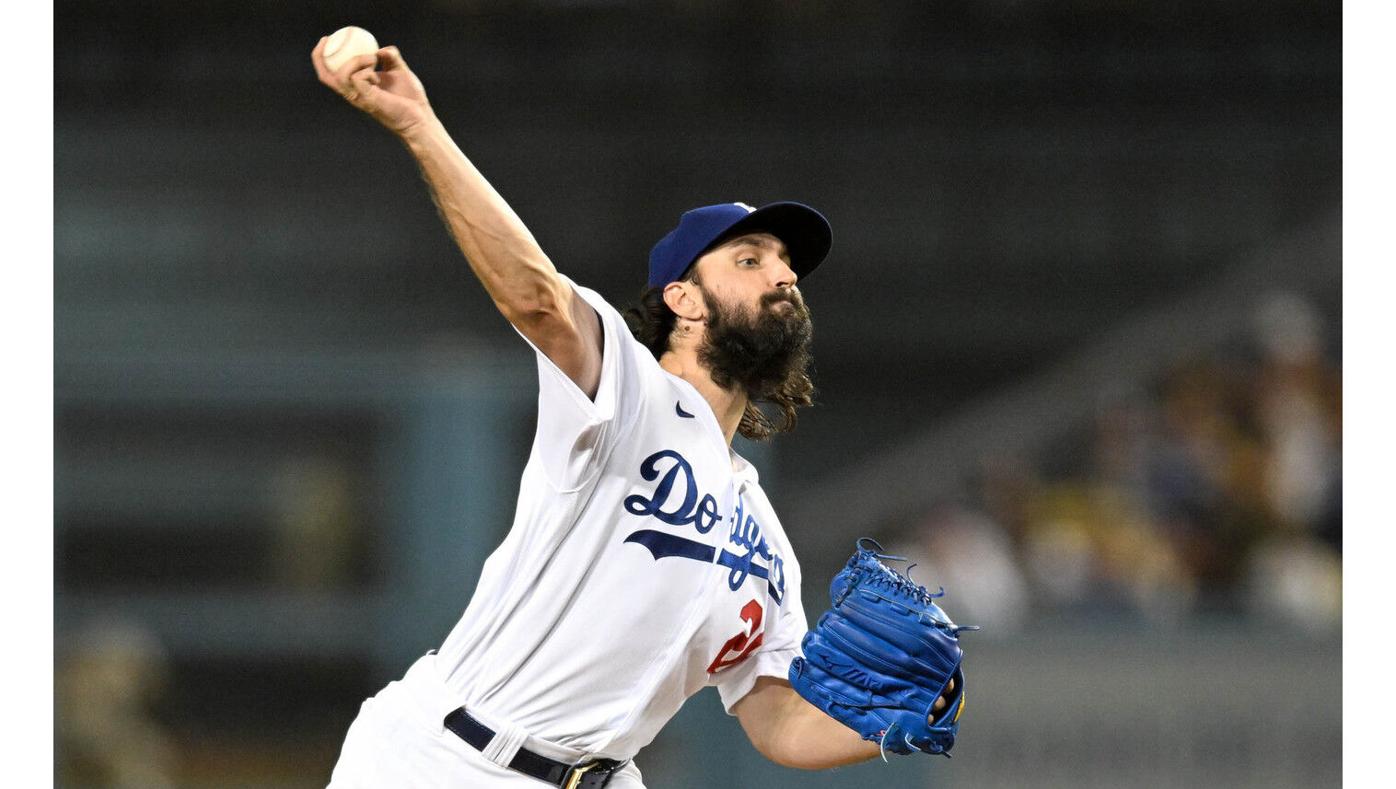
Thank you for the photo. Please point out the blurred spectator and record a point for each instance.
(972, 557)
(104, 683)
(1296, 582)
(1092, 544)
(1203, 481)
(316, 523)
(1221, 485)
(1298, 403)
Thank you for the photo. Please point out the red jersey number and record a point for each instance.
(742, 644)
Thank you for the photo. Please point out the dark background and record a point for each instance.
(289, 425)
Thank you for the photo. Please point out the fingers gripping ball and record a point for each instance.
(878, 660)
(346, 44)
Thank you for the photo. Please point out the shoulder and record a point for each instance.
(616, 328)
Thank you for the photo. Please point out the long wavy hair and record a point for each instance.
(652, 323)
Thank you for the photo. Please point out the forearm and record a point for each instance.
(811, 740)
(500, 250)
(794, 733)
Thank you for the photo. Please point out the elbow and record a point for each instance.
(537, 303)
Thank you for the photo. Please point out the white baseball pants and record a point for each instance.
(399, 740)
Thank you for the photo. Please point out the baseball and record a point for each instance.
(346, 43)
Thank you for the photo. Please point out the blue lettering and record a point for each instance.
(777, 578)
(677, 482)
(746, 533)
(706, 518)
(639, 505)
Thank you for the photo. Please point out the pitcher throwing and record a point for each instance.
(644, 562)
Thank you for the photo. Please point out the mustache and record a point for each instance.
(783, 295)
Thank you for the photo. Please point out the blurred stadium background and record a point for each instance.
(1078, 347)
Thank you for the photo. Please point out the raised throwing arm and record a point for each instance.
(519, 277)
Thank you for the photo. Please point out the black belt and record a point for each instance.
(592, 775)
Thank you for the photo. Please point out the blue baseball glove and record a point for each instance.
(881, 656)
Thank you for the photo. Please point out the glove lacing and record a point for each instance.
(886, 577)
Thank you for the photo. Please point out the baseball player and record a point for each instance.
(644, 562)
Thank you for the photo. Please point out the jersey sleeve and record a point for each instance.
(779, 645)
(576, 432)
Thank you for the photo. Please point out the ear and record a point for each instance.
(685, 301)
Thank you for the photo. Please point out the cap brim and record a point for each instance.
(804, 231)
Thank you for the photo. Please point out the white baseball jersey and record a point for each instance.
(644, 563)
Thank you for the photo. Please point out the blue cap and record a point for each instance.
(804, 231)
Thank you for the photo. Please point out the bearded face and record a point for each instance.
(757, 349)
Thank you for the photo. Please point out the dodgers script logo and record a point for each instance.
(677, 501)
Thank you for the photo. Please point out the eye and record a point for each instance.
(748, 262)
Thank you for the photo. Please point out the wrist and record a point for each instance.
(420, 134)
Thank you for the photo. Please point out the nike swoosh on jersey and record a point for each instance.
(678, 409)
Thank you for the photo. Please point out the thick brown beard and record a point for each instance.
(765, 354)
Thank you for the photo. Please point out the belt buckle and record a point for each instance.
(577, 776)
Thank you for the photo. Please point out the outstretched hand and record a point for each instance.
(379, 84)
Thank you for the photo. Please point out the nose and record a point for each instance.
(784, 276)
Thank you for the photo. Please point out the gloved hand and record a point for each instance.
(882, 655)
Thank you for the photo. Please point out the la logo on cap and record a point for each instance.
(748, 208)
